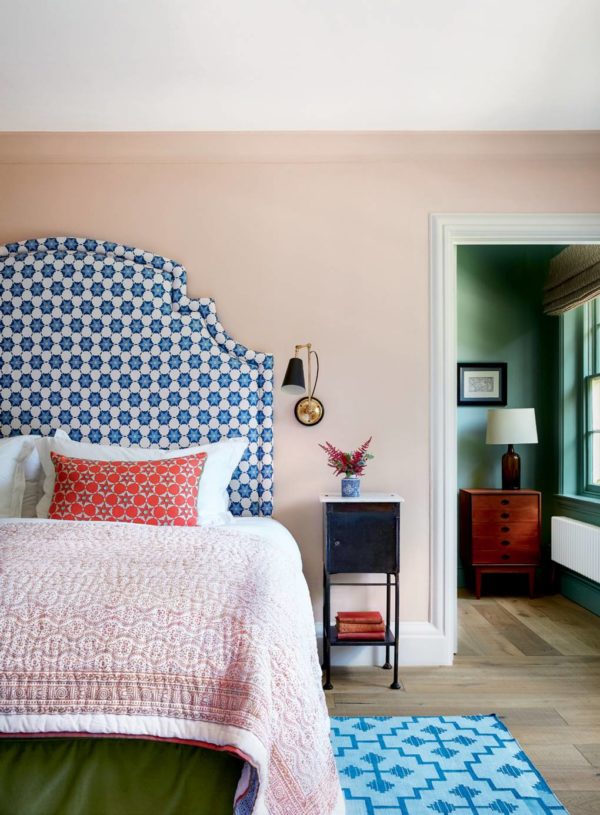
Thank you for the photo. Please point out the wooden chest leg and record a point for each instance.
(477, 583)
(532, 581)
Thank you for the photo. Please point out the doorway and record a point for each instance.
(447, 233)
(500, 321)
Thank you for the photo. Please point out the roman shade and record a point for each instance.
(573, 279)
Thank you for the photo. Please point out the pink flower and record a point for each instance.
(349, 464)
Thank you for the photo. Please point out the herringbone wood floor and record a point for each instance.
(536, 663)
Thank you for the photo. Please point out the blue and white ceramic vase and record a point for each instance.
(351, 487)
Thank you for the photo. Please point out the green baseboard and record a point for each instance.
(580, 590)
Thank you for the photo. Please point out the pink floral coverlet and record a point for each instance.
(203, 634)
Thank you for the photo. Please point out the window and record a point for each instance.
(580, 401)
(590, 403)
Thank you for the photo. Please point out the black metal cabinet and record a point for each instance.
(361, 535)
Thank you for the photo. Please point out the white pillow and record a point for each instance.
(213, 500)
(31, 498)
(34, 477)
(14, 452)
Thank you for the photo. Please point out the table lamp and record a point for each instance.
(511, 426)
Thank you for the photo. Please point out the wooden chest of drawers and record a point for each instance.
(500, 532)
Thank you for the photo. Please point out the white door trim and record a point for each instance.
(447, 231)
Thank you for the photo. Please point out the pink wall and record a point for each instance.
(307, 237)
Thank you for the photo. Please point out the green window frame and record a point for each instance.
(590, 399)
(580, 403)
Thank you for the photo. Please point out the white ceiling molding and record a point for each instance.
(290, 148)
(166, 65)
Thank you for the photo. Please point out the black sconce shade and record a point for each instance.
(293, 381)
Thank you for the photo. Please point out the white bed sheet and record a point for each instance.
(266, 527)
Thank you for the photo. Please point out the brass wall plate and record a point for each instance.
(309, 412)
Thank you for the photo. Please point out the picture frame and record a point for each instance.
(482, 384)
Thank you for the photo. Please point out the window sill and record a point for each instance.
(579, 505)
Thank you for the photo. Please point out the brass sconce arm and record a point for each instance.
(309, 410)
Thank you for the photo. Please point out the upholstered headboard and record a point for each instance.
(101, 340)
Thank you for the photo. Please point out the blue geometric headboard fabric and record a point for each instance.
(101, 340)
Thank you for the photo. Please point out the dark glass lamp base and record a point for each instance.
(511, 470)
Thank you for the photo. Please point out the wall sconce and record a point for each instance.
(308, 411)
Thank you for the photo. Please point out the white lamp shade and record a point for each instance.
(511, 426)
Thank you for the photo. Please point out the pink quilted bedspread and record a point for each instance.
(197, 633)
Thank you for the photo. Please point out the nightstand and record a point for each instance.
(500, 532)
(361, 535)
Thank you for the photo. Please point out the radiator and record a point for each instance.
(577, 546)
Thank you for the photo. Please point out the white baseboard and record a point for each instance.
(419, 644)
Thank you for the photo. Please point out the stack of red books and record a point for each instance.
(359, 625)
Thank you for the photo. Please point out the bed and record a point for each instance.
(145, 668)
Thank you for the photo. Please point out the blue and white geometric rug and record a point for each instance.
(436, 765)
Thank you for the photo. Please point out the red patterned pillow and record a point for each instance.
(162, 493)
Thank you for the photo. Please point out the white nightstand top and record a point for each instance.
(365, 497)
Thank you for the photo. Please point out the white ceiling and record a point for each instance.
(299, 64)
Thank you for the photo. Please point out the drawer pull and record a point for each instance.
(505, 529)
(336, 543)
(505, 543)
(505, 502)
(505, 557)
(505, 516)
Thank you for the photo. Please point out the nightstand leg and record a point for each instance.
(387, 664)
(477, 583)
(326, 645)
(327, 648)
(395, 684)
(324, 618)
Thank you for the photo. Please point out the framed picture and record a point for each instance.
(482, 383)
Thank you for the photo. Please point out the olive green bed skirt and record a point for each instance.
(86, 776)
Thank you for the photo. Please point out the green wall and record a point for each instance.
(500, 319)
